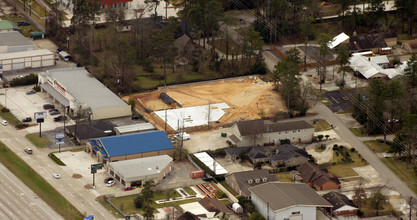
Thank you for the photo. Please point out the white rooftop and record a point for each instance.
(22, 54)
(379, 59)
(192, 116)
(135, 127)
(141, 167)
(208, 161)
(372, 70)
(84, 87)
(337, 40)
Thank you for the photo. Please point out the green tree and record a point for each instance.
(411, 81)
(398, 146)
(378, 94)
(377, 200)
(342, 60)
(252, 44)
(358, 112)
(395, 100)
(324, 52)
(139, 201)
(344, 5)
(256, 216)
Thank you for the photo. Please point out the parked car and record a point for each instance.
(23, 23)
(111, 183)
(128, 188)
(108, 179)
(19, 77)
(185, 135)
(56, 175)
(28, 119)
(30, 92)
(28, 150)
(4, 122)
(4, 85)
(135, 117)
(48, 106)
(60, 118)
(54, 112)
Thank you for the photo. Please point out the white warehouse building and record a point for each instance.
(26, 59)
(74, 89)
(14, 41)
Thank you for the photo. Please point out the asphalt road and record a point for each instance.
(17, 201)
(345, 134)
(72, 189)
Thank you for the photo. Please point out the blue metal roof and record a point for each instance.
(136, 143)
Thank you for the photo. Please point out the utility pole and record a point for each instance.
(410, 203)
(208, 115)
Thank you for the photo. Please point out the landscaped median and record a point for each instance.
(37, 184)
(38, 141)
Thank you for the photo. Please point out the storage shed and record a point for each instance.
(237, 208)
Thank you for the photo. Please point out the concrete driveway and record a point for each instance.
(207, 140)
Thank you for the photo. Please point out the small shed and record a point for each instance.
(237, 208)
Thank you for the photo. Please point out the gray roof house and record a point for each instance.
(241, 181)
(258, 132)
(275, 200)
(14, 41)
(255, 154)
(288, 155)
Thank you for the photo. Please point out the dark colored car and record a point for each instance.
(23, 23)
(28, 119)
(53, 109)
(135, 117)
(54, 112)
(30, 92)
(48, 106)
(60, 118)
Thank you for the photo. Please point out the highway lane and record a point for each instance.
(17, 201)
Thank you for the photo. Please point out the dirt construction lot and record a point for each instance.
(248, 98)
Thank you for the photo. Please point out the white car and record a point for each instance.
(56, 175)
(111, 183)
(4, 122)
(185, 135)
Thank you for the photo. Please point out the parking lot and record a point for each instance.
(207, 140)
(340, 102)
(22, 106)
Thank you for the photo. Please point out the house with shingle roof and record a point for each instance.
(318, 178)
(342, 205)
(288, 155)
(259, 132)
(277, 201)
(242, 181)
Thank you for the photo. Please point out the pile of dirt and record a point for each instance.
(76, 176)
(88, 186)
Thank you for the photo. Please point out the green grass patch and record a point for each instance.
(345, 169)
(40, 142)
(164, 195)
(324, 100)
(386, 209)
(377, 146)
(25, 29)
(35, 8)
(9, 117)
(359, 132)
(320, 125)
(399, 167)
(37, 184)
(318, 150)
(190, 191)
(285, 177)
(413, 187)
(317, 91)
(110, 208)
(56, 159)
(230, 189)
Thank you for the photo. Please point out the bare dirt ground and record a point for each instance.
(248, 99)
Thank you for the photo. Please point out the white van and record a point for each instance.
(64, 56)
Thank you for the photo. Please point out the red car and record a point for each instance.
(128, 188)
(4, 85)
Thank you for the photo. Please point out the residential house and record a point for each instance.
(214, 205)
(368, 69)
(241, 181)
(278, 201)
(288, 155)
(318, 178)
(371, 42)
(342, 205)
(187, 49)
(255, 154)
(258, 132)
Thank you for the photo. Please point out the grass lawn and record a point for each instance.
(317, 91)
(36, 8)
(111, 209)
(190, 191)
(377, 146)
(369, 211)
(320, 125)
(37, 184)
(285, 177)
(225, 185)
(399, 167)
(38, 141)
(413, 187)
(324, 100)
(345, 169)
(359, 132)
(127, 205)
(25, 29)
(9, 117)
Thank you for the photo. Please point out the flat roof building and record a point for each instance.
(135, 172)
(14, 41)
(130, 146)
(76, 89)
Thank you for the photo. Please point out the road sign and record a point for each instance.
(60, 142)
(59, 136)
(40, 120)
(97, 166)
(40, 115)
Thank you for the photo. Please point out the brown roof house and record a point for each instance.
(258, 132)
(342, 205)
(255, 154)
(320, 179)
(241, 181)
(410, 46)
(373, 42)
(277, 201)
(214, 205)
(187, 49)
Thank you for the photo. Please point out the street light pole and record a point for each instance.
(68, 48)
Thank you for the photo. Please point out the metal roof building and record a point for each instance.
(6, 25)
(136, 171)
(14, 41)
(130, 146)
(128, 129)
(77, 89)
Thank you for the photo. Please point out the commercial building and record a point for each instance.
(277, 201)
(26, 59)
(258, 132)
(79, 93)
(130, 146)
(14, 41)
(137, 171)
(104, 4)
